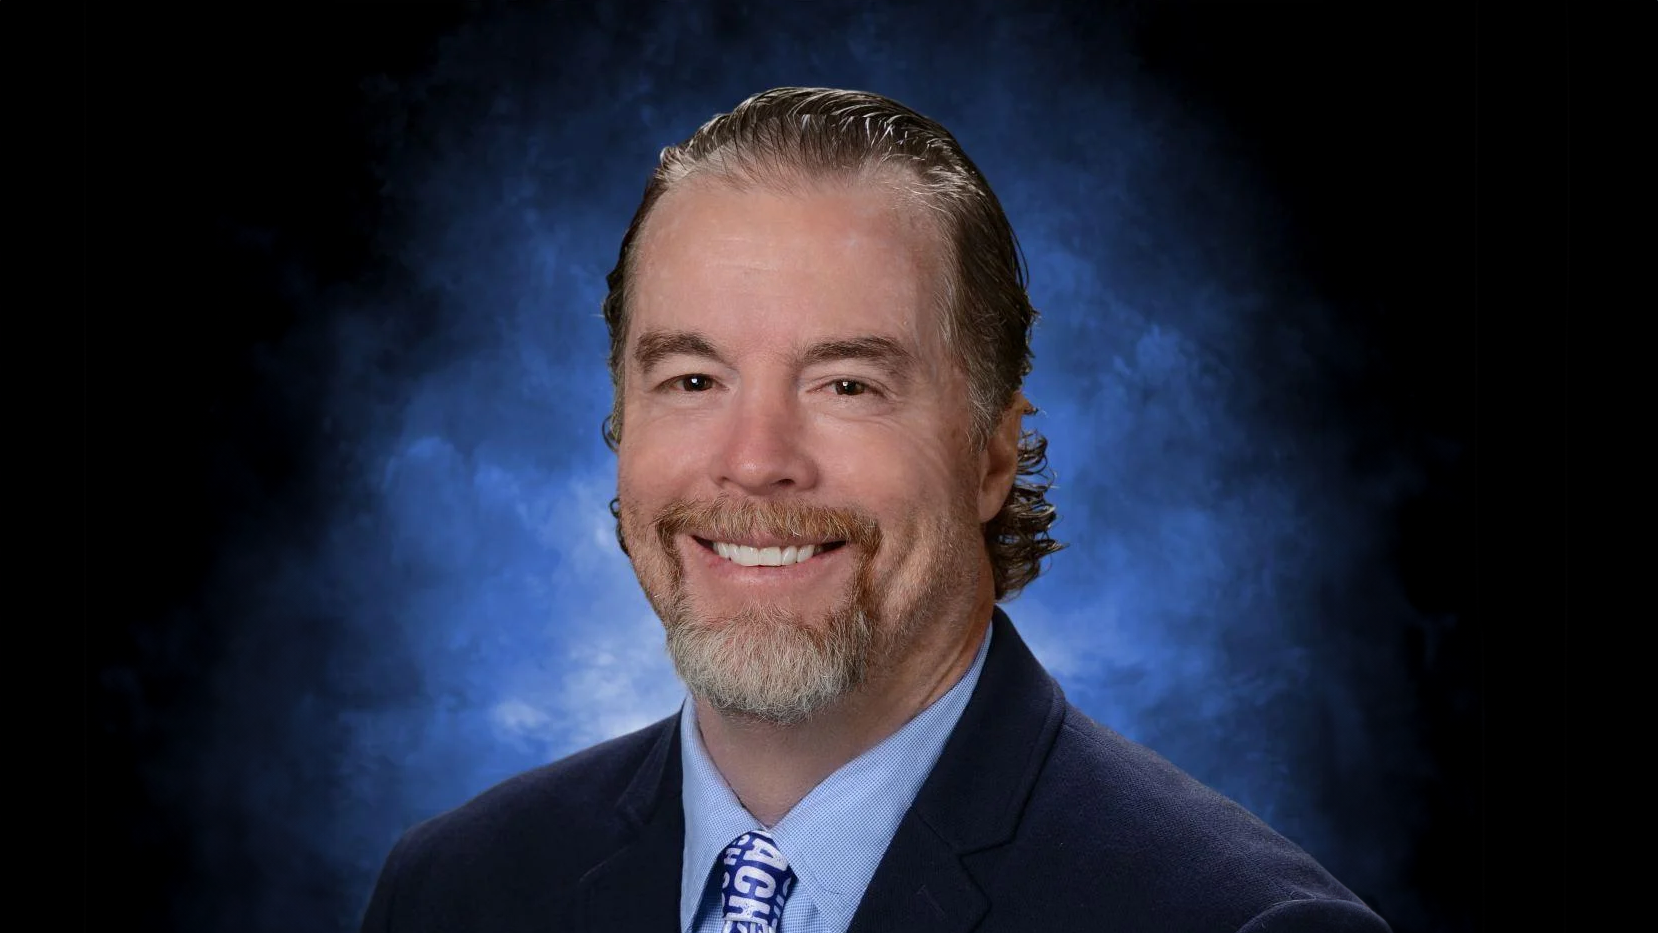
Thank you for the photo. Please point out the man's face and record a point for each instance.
(799, 492)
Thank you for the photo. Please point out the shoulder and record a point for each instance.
(513, 839)
(1131, 789)
(1153, 839)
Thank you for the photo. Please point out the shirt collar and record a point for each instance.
(835, 836)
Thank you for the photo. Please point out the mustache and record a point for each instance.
(726, 517)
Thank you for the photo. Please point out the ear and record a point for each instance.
(1000, 460)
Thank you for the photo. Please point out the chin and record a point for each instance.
(768, 663)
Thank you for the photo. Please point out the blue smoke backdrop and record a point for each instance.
(380, 574)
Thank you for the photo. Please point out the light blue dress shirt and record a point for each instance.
(834, 837)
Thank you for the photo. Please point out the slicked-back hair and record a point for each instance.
(788, 138)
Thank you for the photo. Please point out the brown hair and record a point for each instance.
(781, 137)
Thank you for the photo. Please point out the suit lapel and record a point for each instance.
(920, 886)
(971, 801)
(637, 887)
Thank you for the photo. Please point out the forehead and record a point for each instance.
(766, 265)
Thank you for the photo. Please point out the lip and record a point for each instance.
(817, 568)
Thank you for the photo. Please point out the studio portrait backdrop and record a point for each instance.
(383, 574)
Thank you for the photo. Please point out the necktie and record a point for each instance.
(755, 884)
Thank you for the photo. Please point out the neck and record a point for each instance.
(799, 756)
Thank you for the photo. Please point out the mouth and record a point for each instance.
(763, 554)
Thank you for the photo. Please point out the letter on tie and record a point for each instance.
(747, 908)
(746, 879)
(764, 852)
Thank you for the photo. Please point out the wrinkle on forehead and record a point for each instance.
(877, 204)
(901, 206)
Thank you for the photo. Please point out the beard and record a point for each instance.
(769, 665)
(767, 662)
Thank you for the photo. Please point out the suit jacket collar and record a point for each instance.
(637, 887)
(970, 802)
(973, 799)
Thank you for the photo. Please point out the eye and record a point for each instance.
(695, 382)
(849, 387)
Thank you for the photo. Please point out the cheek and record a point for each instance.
(654, 439)
(921, 464)
(651, 463)
(906, 477)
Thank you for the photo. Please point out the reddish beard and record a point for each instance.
(769, 662)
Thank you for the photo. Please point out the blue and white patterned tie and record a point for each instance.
(755, 884)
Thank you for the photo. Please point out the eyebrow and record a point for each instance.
(657, 345)
(881, 350)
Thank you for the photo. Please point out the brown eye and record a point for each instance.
(696, 382)
(849, 387)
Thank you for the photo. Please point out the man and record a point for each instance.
(819, 330)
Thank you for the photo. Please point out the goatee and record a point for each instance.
(768, 663)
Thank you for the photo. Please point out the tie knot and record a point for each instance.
(755, 883)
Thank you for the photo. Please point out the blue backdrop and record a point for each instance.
(401, 582)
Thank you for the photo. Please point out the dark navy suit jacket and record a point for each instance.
(1036, 818)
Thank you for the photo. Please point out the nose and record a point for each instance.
(765, 450)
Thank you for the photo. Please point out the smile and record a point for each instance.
(770, 556)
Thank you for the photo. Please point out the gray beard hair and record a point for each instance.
(768, 664)
(774, 666)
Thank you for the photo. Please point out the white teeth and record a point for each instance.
(766, 556)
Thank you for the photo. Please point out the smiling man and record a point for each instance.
(819, 331)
